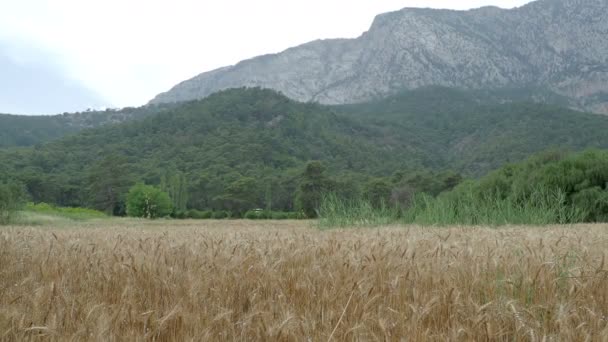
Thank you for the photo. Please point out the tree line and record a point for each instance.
(246, 152)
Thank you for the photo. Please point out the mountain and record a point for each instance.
(247, 143)
(469, 131)
(555, 45)
(28, 130)
(250, 134)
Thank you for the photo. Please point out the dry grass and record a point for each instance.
(247, 281)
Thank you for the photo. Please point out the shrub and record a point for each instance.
(279, 215)
(296, 215)
(313, 184)
(258, 214)
(180, 214)
(219, 215)
(252, 215)
(12, 198)
(199, 215)
(148, 202)
(549, 188)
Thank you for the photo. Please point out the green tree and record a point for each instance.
(11, 199)
(199, 193)
(175, 184)
(378, 192)
(313, 184)
(241, 195)
(148, 202)
(109, 182)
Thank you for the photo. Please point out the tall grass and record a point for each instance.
(541, 207)
(337, 212)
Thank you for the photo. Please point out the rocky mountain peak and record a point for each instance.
(558, 45)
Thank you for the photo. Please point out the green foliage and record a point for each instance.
(338, 212)
(148, 202)
(12, 198)
(582, 178)
(242, 194)
(549, 188)
(78, 214)
(378, 192)
(244, 149)
(220, 215)
(199, 215)
(542, 207)
(256, 215)
(175, 184)
(278, 215)
(109, 181)
(30, 130)
(259, 214)
(314, 183)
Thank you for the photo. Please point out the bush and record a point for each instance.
(313, 184)
(550, 188)
(279, 215)
(180, 214)
(251, 215)
(257, 214)
(219, 215)
(296, 215)
(148, 202)
(12, 198)
(272, 215)
(199, 215)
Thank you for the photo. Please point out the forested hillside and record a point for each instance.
(239, 145)
(471, 131)
(29, 130)
(247, 148)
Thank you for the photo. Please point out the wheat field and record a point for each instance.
(126, 280)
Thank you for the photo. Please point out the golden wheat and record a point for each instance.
(285, 281)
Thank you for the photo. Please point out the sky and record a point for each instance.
(118, 53)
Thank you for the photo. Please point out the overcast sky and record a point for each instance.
(127, 51)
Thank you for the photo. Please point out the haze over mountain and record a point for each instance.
(555, 45)
(34, 85)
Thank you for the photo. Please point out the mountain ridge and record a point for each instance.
(557, 45)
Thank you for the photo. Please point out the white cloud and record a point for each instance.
(130, 50)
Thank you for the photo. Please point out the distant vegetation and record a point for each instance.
(550, 188)
(68, 213)
(12, 197)
(253, 152)
(146, 201)
(30, 130)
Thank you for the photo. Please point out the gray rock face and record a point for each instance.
(560, 45)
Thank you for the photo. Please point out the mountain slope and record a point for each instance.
(259, 140)
(244, 133)
(470, 132)
(28, 130)
(557, 45)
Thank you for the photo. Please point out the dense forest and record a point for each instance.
(245, 149)
(29, 130)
